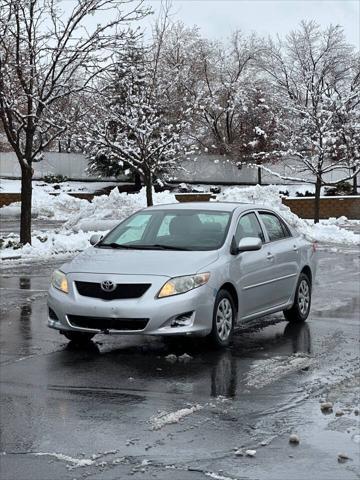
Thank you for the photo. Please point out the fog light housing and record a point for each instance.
(183, 320)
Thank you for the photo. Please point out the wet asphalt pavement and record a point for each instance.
(95, 412)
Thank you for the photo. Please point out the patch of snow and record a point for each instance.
(295, 439)
(171, 358)
(269, 370)
(51, 243)
(164, 418)
(185, 358)
(76, 462)
(217, 476)
(250, 453)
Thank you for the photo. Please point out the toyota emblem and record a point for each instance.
(108, 286)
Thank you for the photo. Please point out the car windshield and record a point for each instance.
(170, 230)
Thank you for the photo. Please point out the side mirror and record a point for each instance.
(249, 244)
(94, 239)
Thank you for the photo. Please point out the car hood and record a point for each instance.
(140, 262)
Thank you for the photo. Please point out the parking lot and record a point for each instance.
(133, 407)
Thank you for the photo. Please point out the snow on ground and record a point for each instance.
(266, 371)
(49, 243)
(75, 462)
(216, 476)
(164, 418)
(82, 218)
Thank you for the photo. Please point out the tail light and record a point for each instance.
(314, 247)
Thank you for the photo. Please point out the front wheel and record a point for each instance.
(301, 307)
(223, 319)
(78, 337)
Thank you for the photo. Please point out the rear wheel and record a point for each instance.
(78, 337)
(301, 307)
(223, 319)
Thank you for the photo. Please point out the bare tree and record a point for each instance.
(47, 55)
(310, 71)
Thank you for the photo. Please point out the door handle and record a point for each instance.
(295, 248)
(270, 256)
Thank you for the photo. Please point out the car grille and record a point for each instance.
(122, 291)
(103, 323)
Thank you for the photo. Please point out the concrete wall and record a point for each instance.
(70, 165)
(196, 169)
(217, 169)
(212, 169)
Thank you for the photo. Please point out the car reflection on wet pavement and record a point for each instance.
(133, 407)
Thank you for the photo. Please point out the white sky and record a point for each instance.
(218, 18)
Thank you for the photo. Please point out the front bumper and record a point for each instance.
(160, 312)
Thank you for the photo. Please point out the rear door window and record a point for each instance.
(275, 228)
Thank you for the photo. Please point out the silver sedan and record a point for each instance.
(185, 269)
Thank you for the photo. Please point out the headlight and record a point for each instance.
(59, 281)
(183, 284)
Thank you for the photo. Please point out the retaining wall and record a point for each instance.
(348, 206)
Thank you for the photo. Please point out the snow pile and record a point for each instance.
(114, 207)
(47, 206)
(327, 231)
(164, 418)
(46, 245)
(82, 218)
(77, 212)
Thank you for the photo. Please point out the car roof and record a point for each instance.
(216, 206)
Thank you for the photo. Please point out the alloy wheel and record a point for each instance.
(224, 318)
(304, 297)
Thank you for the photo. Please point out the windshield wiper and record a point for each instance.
(114, 245)
(158, 246)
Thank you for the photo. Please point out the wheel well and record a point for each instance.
(307, 272)
(232, 290)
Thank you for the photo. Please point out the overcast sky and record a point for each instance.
(217, 18)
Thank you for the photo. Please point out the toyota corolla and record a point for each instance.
(185, 269)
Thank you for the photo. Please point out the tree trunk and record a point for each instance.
(137, 181)
(355, 183)
(317, 201)
(26, 196)
(148, 184)
(259, 176)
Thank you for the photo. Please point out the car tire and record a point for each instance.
(223, 320)
(302, 303)
(78, 337)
